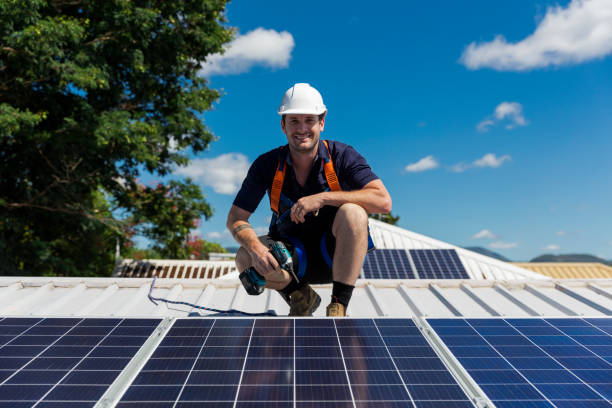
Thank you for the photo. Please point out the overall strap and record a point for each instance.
(277, 183)
(330, 173)
(279, 177)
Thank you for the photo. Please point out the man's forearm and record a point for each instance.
(245, 235)
(372, 200)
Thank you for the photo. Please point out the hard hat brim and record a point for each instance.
(301, 112)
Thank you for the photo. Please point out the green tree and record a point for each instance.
(93, 93)
(200, 248)
(131, 252)
(388, 218)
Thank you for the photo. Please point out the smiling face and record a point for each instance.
(302, 131)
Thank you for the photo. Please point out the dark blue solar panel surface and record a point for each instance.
(294, 362)
(388, 264)
(65, 362)
(535, 362)
(438, 264)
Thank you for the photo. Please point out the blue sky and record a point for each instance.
(501, 142)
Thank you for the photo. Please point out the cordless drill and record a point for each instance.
(253, 282)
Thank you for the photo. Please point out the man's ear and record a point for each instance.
(322, 121)
(283, 125)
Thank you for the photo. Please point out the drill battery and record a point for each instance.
(253, 282)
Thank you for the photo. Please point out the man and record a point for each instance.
(321, 192)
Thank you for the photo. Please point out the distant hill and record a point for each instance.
(486, 252)
(232, 249)
(570, 258)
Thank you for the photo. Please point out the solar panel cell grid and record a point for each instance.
(388, 264)
(539, 362)
(319, 362)
(438, 264)
(57, 362)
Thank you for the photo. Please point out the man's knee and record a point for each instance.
(352, 217)
(243, 259)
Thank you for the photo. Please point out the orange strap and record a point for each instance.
(279, 178)
(277, 185)
(330, 173)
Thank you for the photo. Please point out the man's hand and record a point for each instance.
(306, 205)
(264, 262)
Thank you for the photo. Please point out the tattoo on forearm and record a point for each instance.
(240, 228)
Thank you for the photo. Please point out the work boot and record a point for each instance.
(303, 301)
(336, 310)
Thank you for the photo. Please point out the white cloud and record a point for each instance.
(485, 233)
(551, 247)
(172, 145)
(509, 112)
(490, 160)
(580, 32)
(561, 233)
(258, 47)
(426, 163)
(485, 125)
(502, 245)
(460, 167)
(261, 230)
(214, 234)
(121, 181)
(224, 173)
(512, 110)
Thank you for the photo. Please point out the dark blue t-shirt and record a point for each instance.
(351, 168)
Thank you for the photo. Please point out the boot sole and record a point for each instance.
(315, 305)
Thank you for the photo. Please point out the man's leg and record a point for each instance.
(302, 300)
(350, 228)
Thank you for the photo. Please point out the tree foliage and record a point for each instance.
(200, 248)
(388, 218)
(92, 93)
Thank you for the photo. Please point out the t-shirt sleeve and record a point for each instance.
(354, 170)
(254, 185)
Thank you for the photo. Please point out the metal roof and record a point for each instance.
(385, 236)
(478, 266)
(569, 270)
(127, 297)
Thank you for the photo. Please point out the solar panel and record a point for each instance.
(535, 362)
(438, 264)
(388, 264)
(59, 362)
(294, 363)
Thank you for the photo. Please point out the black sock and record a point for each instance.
(291, 287)
(341, 293)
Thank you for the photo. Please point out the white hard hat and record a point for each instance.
(302, 99)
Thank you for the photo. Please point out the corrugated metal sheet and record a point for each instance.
(164, 268)
(385, 236)
(478, 266)
(127, 297)
(569, 270)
